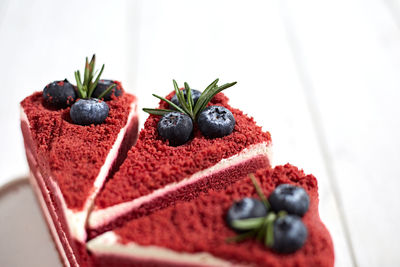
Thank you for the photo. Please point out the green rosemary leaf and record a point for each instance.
(248, 224)
(106, 91)
(282, 213)
(79, 85)
(181, 98)
(262, 230)
(189, 98)
(79, 75)
(211, 85)
(226, 86)
(169, 102)
(86, 72)
(207, 97)
(187, 104)
(92, 63)
(241, 237)
(269, 237)
(92, 86)
(159, 112)
(259, 191)
(212, 92)
(78, 79)
(200, 104)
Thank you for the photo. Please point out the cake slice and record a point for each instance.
(156, 175)
(196, 233)
(69, 163)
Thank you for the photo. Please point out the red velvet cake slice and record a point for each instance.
(196, 233)
(69, 163)
(155, 175)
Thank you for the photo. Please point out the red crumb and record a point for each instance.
(70, 153)
(118, 84)
(60, 83)
(152, 163)
(199, 225)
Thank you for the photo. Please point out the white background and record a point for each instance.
(322, 76)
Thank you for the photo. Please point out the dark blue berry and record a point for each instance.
(244, 209)
(290, 234)
(195, 96)
(216, 121)
(103, 85)
(176, 127)
(89, 111)
(290, 198)
(59, 94)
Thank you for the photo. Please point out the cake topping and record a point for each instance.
(290, 198)
(89, 110)
(195, 96)
(216, 121)
(103, 85)
(282, 232)
(290, 234)
(245, 209)
(176, 127)
(59, 94)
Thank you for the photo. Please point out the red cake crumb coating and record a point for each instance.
(73, 154)
(152, 163)
(199, 225)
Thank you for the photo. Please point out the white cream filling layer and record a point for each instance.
(100, 217)
(49, 219)
(108, 244)
(50, 222)
(76, 220)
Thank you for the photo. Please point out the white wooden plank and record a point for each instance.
(243, 41)
(42, 41)
(350, 51)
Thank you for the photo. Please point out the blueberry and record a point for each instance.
(244, 209)
(195, 96)
(89, 111)
(59, 94)
(290, 234)
(175, 127)
(290, 198)
(103, 85)
(216, 121)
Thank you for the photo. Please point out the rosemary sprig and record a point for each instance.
(259, 191)
(187, 105)
(86, 88)
(262, 228)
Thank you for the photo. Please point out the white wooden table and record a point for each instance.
(323, 77)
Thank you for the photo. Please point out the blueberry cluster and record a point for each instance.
(276, 220)
(88, 109)
(213, 122)
(188, 107)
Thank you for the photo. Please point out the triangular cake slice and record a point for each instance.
(195, 233)
(69, 163)
(156, 175)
